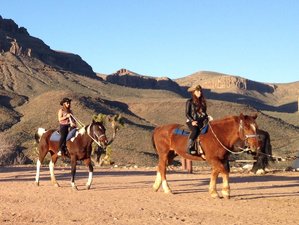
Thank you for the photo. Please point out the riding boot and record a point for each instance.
(62, 151)
(190, 147)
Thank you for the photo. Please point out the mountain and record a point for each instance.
(128, 78)
(32, 87)
(16, 40)
(262, 96)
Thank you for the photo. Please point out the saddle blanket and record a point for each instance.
(183, 132)
(56, 136)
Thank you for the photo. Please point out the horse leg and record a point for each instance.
(90, 174)
(38, 164)
(51, 168)
(158, 181)
(43, 150)
(73, 172)
(161, 174)
(225, 186)
(212, 187)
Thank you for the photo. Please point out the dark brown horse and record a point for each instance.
(217, 143)
(79, 148)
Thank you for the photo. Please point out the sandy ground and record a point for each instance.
(125, 196)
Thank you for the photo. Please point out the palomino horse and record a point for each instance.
(79, 148)
(217, 143)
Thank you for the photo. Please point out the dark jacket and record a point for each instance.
(192, 111)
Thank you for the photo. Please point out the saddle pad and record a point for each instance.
(183, 132)
(56, 136)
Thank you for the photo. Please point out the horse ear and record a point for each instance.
(241, 116)
(254, 115)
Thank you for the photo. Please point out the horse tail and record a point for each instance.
(40, 131)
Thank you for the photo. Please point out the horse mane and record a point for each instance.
(225, 119)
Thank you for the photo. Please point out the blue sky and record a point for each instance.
(255, 39)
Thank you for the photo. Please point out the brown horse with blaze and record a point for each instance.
(217, 143)
(79, 148)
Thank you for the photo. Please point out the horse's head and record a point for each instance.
(98, 132)
(248, 132)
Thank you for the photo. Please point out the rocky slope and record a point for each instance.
(128, 78)
(17, 41)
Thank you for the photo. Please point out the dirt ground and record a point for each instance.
(125, 196)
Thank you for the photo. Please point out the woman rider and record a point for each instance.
(65, 123)
(196, 108)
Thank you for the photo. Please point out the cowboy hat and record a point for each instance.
(195, 88)
(65, 100)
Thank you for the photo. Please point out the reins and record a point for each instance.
(82, 125)
(279, 158)
(235, 153)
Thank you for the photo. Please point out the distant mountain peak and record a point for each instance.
(124, 71)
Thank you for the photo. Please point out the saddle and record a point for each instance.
(184, 131)
(56, 135)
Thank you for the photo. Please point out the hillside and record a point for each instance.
(262, 96)
(32, 86)
(128, 78)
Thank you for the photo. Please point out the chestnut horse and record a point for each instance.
(216, 143)
(79, 148)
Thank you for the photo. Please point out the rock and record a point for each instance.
(128, 78)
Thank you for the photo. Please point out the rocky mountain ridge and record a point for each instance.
(17, 40)
(128, 78)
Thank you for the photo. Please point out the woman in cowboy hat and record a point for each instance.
(65, 123)
(196, 108)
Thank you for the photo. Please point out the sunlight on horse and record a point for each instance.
(217, 144)
(79, 148)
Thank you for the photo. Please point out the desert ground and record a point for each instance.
(125, 196)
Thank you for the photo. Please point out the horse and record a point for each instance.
(263, 156)
(79, 148)
(216, 143)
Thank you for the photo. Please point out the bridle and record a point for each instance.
(98, 142)
(245, 138)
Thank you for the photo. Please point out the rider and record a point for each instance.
(66, 122)
(196, 114)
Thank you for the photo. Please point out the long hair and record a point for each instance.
(199, 102)
(67, 110)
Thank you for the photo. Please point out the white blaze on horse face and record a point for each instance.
(252, 125)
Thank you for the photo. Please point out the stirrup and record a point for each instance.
(192, 151)
(200, 152)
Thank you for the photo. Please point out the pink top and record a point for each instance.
(65, 121)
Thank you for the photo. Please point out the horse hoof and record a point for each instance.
(215, 195)
(87, 187)
(75, 188)
(155, 188)
(169, 192)
(56, 185)
(226, 197)
(36, 183)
